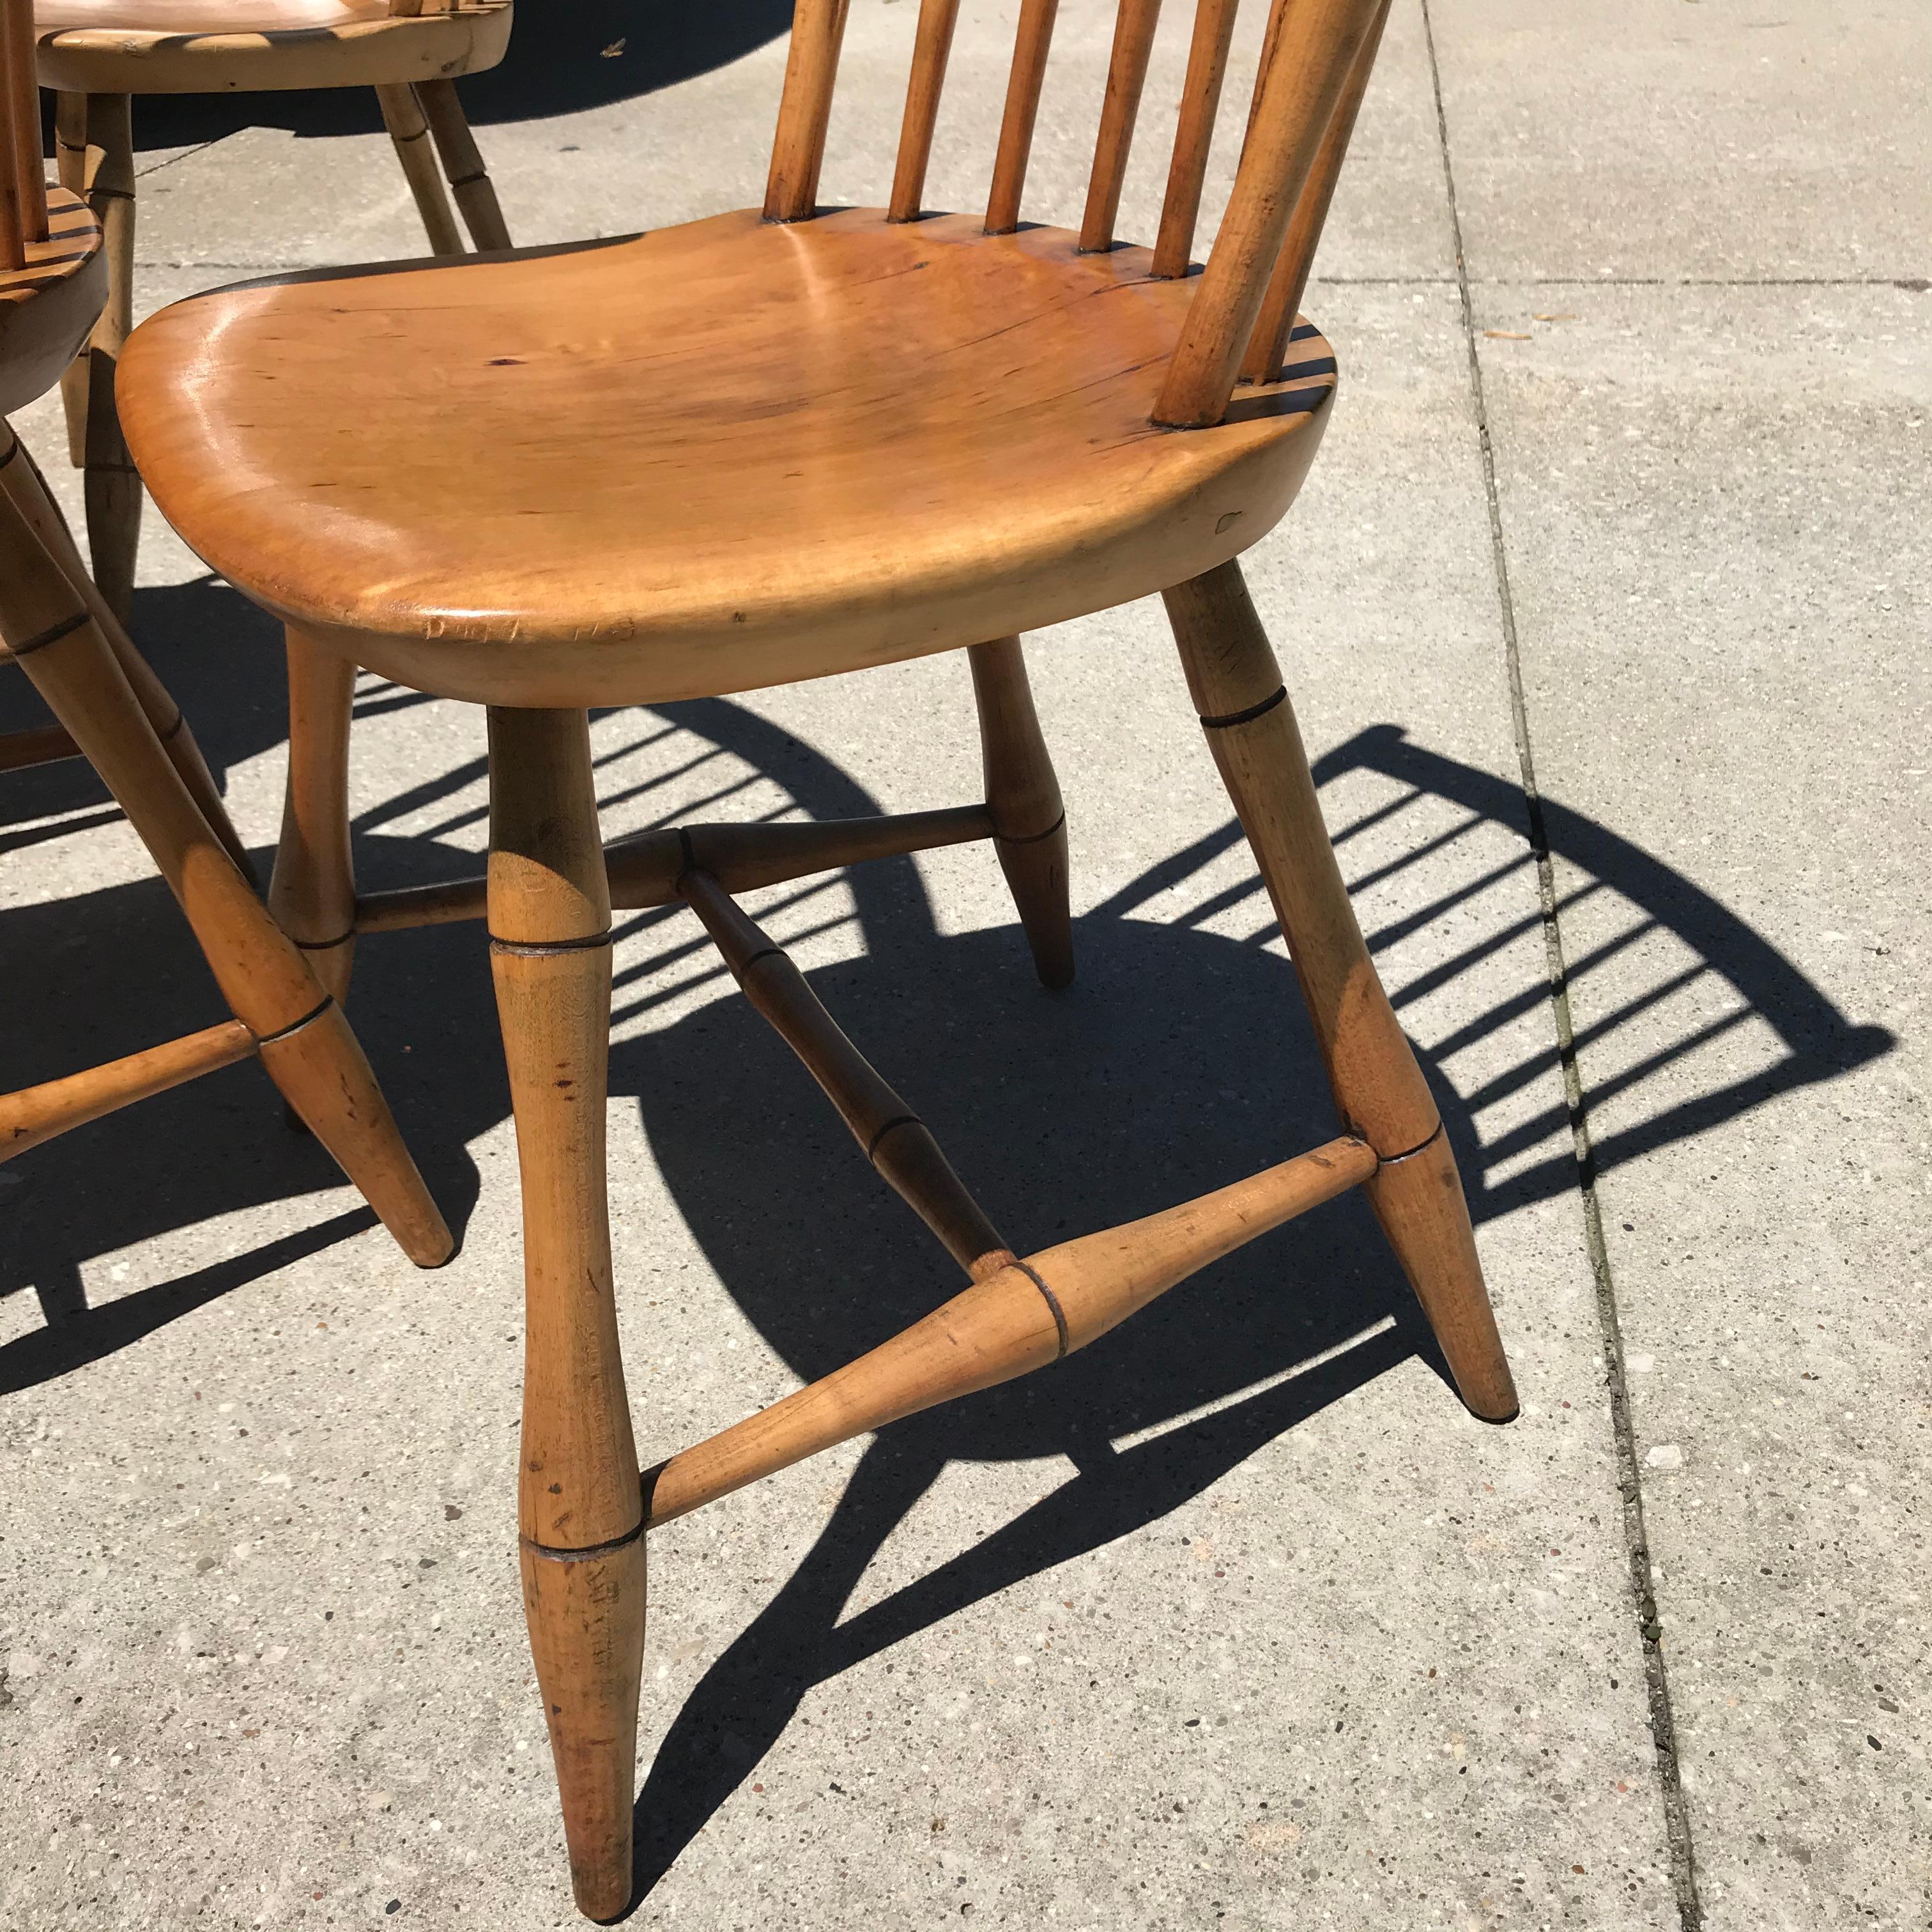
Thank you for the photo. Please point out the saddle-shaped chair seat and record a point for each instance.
(711, 458)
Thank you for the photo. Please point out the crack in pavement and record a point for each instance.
(1676, 1813)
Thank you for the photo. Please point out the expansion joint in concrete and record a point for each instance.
(1643, 1604)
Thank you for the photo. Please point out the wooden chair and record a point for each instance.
(110, 708)
(99, 53)
(772, 445)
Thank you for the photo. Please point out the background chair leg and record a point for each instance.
(28, 489)
(1023, 795)
(462, 163)
(313, 893)
(71, 162)
(304, 1040)
(113, 483)
(579, 1509)
(403, 118)
(1379, 1089)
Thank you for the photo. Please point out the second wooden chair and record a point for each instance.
(99, 54)
(109, 708)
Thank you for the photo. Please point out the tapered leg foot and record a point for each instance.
(321, 1071)
(580, 1508)
(1418, 1200)
(1023, 795)
(586, 1625)
(1379, 1089)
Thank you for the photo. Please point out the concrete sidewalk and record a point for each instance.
(1604, 611)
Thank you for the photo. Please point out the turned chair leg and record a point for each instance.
(462, 163)
(30, 496)
(113, 485)
(70, 165)
(1023, 797)
(580, 1508)
(1379, 1089)
(304, 1041)
(403, 117)
(313, 893)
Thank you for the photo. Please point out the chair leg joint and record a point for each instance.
(548, 1553)
(1422, 1147)
(1030, 838)
(1052, 1300)
(295, 1026)
(532, 949)
(1248, 714)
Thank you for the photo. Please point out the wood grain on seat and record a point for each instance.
(720, 456)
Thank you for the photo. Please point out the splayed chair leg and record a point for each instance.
(1023, 795)
(304, 1042)
(462, 163)
(1379, 1089)
(113, 485)
(409, 130)
(579, 1508)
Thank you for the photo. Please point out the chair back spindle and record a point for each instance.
(1031, 47)
(931, 51)
(812, 70)
(1319, 41)
(1316, 57)
(23, 183)
(1200, 107)
(1126, 74)
(1269, 342)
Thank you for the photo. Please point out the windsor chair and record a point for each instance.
(776, 445)
(109, 708)
(99, 53)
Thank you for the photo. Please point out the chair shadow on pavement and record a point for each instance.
(1178, 1061)
(563, 59)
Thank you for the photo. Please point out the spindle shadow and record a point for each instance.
(1170, 1024)
(1178, 1061)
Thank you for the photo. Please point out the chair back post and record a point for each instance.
(23, 182)
(1301, 90)
(1268, 343)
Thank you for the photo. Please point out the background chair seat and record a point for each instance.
(204, 16)
(210, 47)
(724, 455)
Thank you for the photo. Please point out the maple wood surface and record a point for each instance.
(720, 456)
